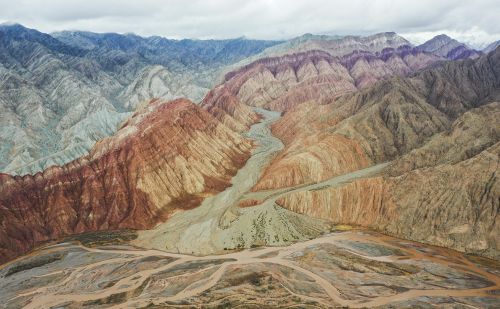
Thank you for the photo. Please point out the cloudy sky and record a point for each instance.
(471, 21)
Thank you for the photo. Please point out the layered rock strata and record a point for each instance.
(386, 121)
(439, 130)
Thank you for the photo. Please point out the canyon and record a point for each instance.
(62, 92)
(343, 267)
(317, 172)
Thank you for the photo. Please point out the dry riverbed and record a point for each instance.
(349, 268)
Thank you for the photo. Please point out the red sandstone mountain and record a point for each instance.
(168, 156)
(438, 127)
(444, 192)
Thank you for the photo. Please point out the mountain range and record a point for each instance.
(321, 171)
(62, 92)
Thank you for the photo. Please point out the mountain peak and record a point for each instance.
(439, 41)
(442, 37)
(387, 34)
(16, 32)
(447, 47)
(11, 24)
(491, 47)
(13, 27)
(316, 37)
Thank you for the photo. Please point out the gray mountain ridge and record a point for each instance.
(60, 94)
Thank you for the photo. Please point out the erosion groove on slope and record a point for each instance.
(60, 93)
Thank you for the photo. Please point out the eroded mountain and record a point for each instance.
(168, 156)
(250, 197)
(434, 127)
(61, 93)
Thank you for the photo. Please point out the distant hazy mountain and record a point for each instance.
(444, 46)
(61, 93)
(491, 47)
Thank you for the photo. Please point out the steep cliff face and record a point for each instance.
(167, 157)
(227, 108)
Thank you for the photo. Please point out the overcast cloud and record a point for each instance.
(472, 21)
